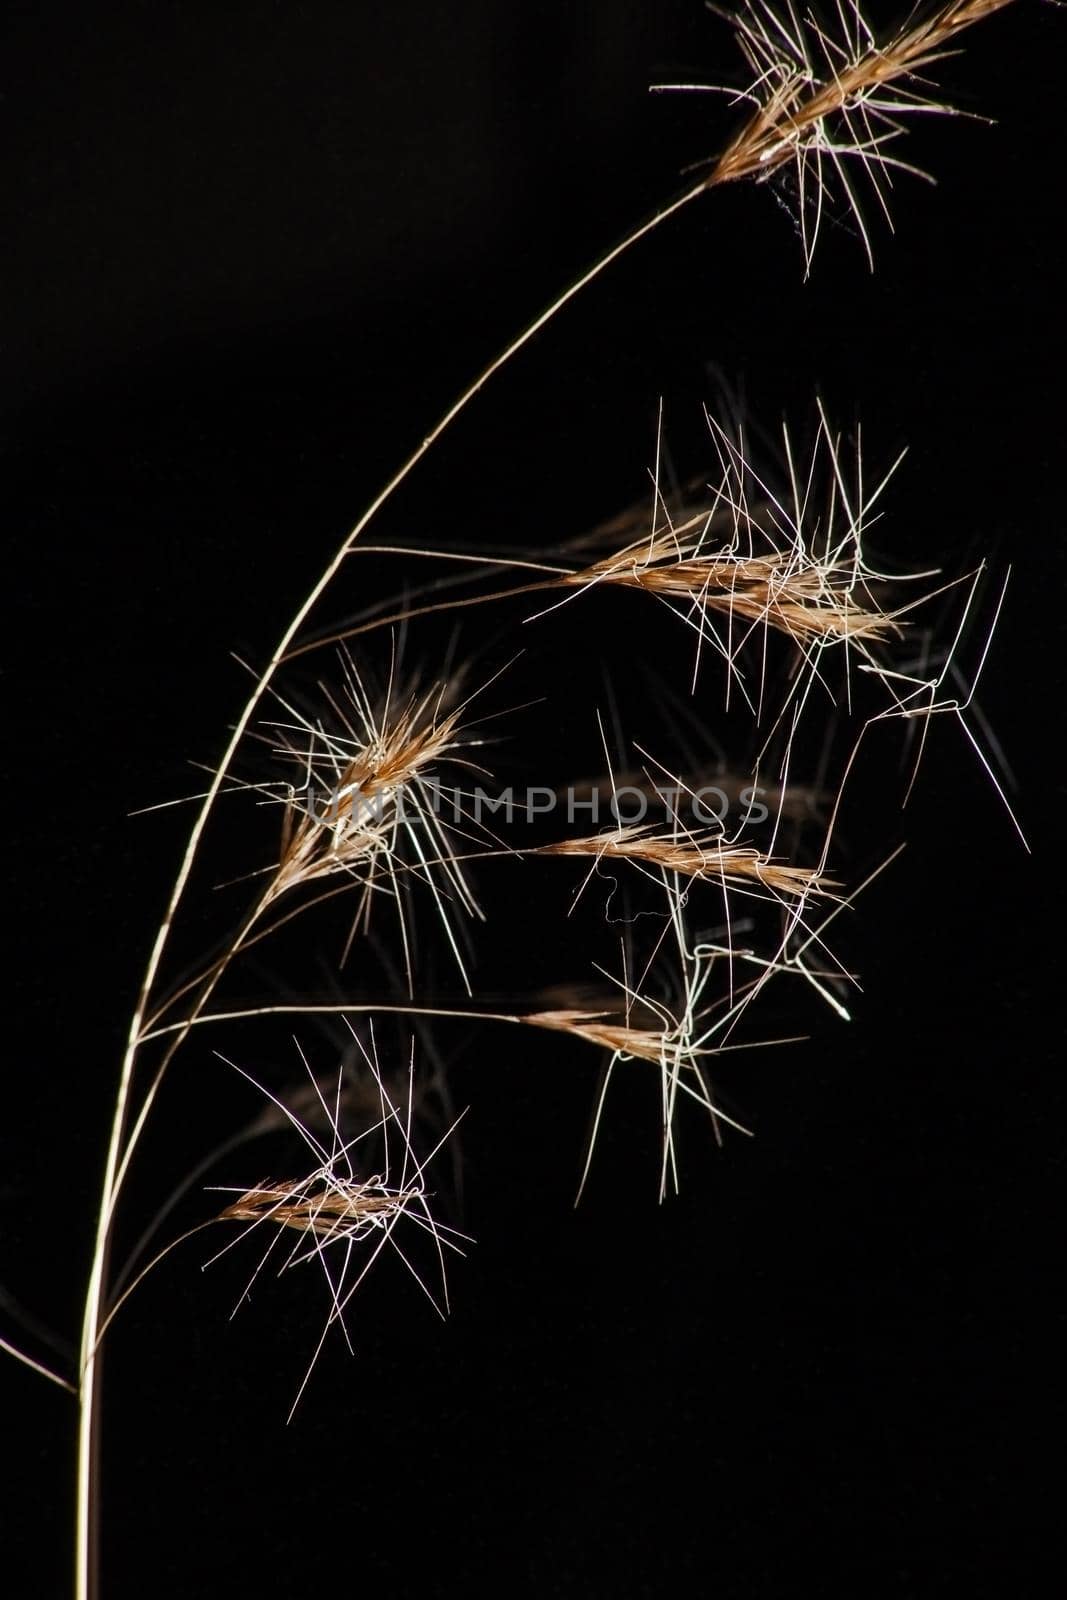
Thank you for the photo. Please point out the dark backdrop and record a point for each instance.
(251, 253)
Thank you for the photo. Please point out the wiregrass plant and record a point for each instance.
(369, 768)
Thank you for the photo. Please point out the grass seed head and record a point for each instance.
(695, 856)
(828, 93)
(809, 600)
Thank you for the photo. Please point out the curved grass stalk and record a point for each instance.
(789, 120)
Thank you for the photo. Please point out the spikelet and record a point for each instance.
(332, 1209)
(371, 804)
(702, 855)
(828, 94)
(755, 560)
(808, 601)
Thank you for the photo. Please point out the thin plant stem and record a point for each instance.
(37, 1366)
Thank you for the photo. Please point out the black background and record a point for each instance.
(252, 253)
